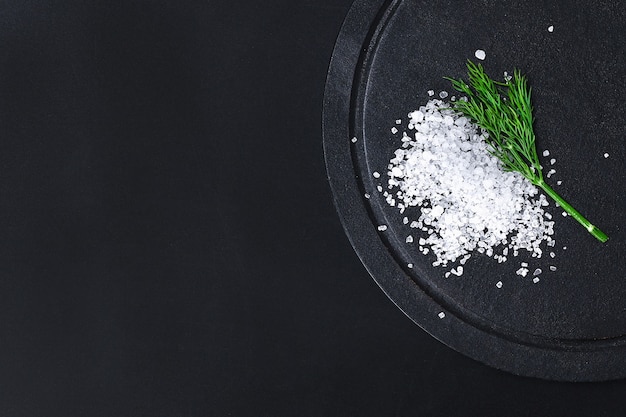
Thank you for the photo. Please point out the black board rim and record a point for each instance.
(553, 360)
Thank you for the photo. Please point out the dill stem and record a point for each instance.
(597, 233)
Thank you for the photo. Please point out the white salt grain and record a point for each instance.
(480, 54)
(537, 271)
(552, 161)
(552, 268)
(550, 28)
(442, 315)
(546, 153)
(410, 266)
(366, 195)
(409, 239)
(499, 284)
(431, 93)
(443, 94)
(536, 280)
(382, 228)
(606, 155)
(376, 174)
(354, 140)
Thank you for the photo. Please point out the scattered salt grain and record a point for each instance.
(443, 94)
(536, 280)
(366, 195)
(458, 271)
(564, 214)
(522, 272)
(376, 174)
(499, 284)
(552, 161)
(442, 315)
(524, 264)
(552, 255)
(537, 271)
(550, 28)
(354, 140)
(606, 155)
(559, 182)
(480, 54)
(410, 266)
(409, 239)
(379, 188)
(382, 228)
(546, 153)
(431, 93)
(398, 121)
(552, 268)
(394, 130)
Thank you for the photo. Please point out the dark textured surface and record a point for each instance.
(169, 244)
(571, 326)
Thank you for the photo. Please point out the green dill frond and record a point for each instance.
(504, 111)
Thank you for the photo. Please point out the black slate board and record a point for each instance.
(571, 325)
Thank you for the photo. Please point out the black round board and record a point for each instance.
(571, 325)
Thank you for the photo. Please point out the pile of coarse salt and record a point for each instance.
(467, 201)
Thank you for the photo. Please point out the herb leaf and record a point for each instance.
(504, 111)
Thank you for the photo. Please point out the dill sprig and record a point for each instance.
(504, 111)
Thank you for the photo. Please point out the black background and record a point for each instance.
(169, 243)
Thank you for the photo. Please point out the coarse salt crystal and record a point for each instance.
(382, 227)
(480, 54)
(606, 155)
(409, 239)
(552, 268)
(354, 139)
(550, 28)
(536, 280)
(376, 174)
(441, 315)
(499, 284)
(546, 153)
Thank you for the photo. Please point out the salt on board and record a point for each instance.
(467, 201)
